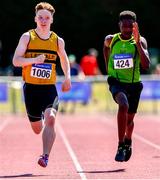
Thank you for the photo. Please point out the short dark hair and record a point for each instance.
(127, 15)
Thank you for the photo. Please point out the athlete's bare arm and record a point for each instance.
(18, 59)
(65, 64)
(141, 46)
(106, 48)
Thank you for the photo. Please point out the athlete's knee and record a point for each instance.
(49, 116)
(50, 120)
(123, 106)
(122, 101)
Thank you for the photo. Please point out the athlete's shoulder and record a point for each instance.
(143, 41)
(25, 37)
(108, 39)
(60, 40)
(26, 34)
(54, 34)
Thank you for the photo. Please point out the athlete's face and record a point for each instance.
(126, 27)
(44, 19)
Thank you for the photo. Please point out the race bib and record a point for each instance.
(42, 71)
(123, 61)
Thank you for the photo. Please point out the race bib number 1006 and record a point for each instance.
(123, 61)
(42, 71)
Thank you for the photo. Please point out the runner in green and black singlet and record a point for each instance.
(124, 53)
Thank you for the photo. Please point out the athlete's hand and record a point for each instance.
(40, 59)
(66, 85)
(136, 34)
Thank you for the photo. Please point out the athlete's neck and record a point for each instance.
(43, 34)
(125, 36)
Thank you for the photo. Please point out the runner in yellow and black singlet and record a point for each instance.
(36, 53)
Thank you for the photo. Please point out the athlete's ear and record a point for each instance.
(119, 24)
(35, 19)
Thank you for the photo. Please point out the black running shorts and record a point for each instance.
(37, 98)
(131, 90)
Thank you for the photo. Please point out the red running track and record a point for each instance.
(85, 147)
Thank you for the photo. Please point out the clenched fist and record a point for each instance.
(66, 85)
(40, 59)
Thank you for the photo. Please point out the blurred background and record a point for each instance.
(83, 24)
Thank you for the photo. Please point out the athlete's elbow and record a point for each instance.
(146, 66)
(15, 62)
(146, 63)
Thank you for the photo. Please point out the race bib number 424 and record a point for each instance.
(123, 61)
(42, 71)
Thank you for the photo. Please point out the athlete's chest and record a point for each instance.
(123, 54)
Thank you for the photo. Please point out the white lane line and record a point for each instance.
(139, 137)
(71, 152)
(146, 141)
(4, 124)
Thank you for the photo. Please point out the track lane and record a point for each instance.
(94, 138)
(20, 149)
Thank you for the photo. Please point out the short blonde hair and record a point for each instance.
(44, 5)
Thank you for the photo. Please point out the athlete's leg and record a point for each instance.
(130, 125)
(122, 101)
(49, 134)
(128, 136)
(134, 97)
(33, 107)
(37, 126)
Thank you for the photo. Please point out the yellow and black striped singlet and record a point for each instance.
(41, 73)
